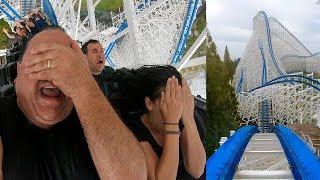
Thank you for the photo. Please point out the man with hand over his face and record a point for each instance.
(59, 125)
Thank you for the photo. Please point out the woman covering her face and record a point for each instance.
(157, 105)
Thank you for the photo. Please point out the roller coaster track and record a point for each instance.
(240, 83)
(282, 26)
(108, 50)
(47, 8)
(191, 15)
(270, 42)
(145, 32)
(269, 97)
(248, 154)
(189, 19)
(258, 77)
(292, 79)
(146, 8)
(264, 66)
(9, 11)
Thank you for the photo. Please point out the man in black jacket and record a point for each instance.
(96, 59)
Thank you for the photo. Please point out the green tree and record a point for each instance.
(221, 99)
(226, 54)
(4, 40)
(230, 65)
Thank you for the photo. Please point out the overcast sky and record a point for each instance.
(230, 21)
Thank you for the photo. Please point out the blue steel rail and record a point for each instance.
(268, 34)
(11, 9)
(190, 18)
(14, 15)
(264, 78)
(10, 18)
(292, 79)
(305, 164)
(48, 10)
(222, 164)
(239, 86)
(270, 42)
(108, 50)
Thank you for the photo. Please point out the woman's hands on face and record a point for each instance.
(171, 104)
(188, 103)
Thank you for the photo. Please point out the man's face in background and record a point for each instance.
(96, 58)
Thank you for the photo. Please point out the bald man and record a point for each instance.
(60, 125)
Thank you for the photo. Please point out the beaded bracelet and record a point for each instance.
(172, 132)
(171, 123)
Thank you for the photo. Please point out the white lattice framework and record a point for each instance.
(196, 78)
(22, 6)
(68, 17)
(274, 52)
(291, 104)
(16, 4)
(146, 32)
(151, 35)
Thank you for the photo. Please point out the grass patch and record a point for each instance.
(108, 5)
(4, 40)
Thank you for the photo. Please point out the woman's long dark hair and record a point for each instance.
(131, 86)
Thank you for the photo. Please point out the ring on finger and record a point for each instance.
(49, 64)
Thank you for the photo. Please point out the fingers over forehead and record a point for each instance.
(168, 88)
(44, 47)
(184, 81)
(42, 75)
(33, 59)
(185, 84)
(173, 86)
(75, 45)
(178, 88)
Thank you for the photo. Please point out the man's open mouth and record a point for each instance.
(100, 62)
(50, 90)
